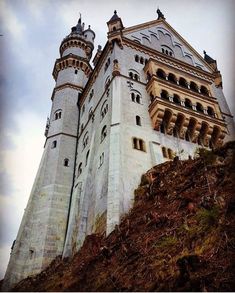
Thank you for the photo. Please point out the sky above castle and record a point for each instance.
(31, 32)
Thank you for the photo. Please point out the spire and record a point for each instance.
(115, 16)
(79, 28)
(160, 14)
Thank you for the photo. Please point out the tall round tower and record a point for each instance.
(42, 231)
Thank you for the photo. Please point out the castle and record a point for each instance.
(148, 97)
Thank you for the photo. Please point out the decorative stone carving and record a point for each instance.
(116, 68)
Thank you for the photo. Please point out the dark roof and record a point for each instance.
(208, 59)
(115, 16)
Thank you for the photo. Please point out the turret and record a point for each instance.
(42, 232)
(75, 51)
(115, 27)
(78, 42)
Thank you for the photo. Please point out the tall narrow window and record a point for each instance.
(54, 144)
(75, 71)
(133, 97)
(138, 120)
(101, 162)
(80, 169)
(87, 156)
(66, 162)
(138, 144)
(103, 133)
(85, 140)
(138, 99)
(104, 109)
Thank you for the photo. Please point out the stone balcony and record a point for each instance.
(176, 119)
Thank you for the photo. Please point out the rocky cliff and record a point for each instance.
(179, 236)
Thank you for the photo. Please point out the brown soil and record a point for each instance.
(179, 236)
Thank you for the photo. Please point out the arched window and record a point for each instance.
(133, 74)
(135, 97)
(141, 60)
(85, 140)
(164, 95)
(138, 144)
(176, 99)
(193, 86)
(199, 108)
(136, 76)
(188, 103)
(138, 120)
(91, 95)
(161, 74)
(210, 111)
(136, 58)
(204, 91)
(101, 160)
(66, 162)
(103, 133)
(183, 82)
(54, 144)
(172, 78)
(104, 109)
(76, 71)
(58, 114)
(87, 156)
(107, 64)
(80, 169)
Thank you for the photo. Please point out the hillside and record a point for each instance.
(179, 236)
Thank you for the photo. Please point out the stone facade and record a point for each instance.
(149, 97)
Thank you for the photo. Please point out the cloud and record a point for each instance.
(4, 258)
(11, 23)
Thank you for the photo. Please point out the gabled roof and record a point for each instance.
(162, 21)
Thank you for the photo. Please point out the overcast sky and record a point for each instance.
(32, 32)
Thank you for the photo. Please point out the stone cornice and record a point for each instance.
(65, 85)
(72, 60)
(60, 133)
(75, 41)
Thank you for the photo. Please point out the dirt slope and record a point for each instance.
(179, 236)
